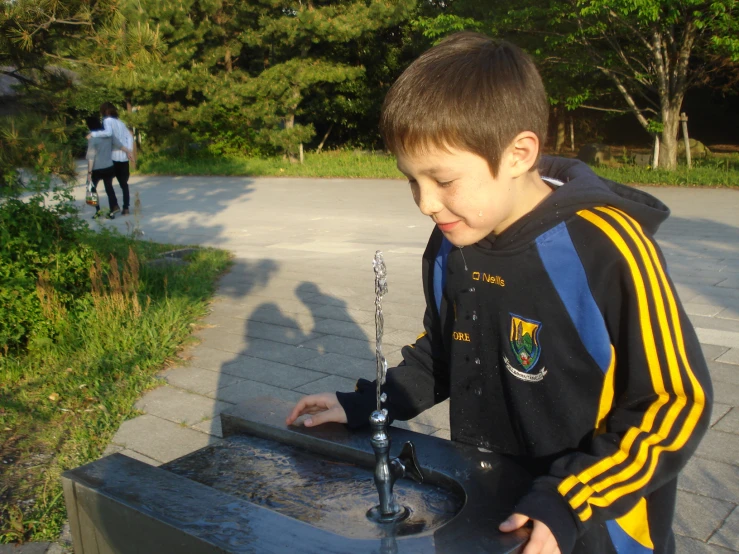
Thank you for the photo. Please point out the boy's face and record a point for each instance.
(458, 191)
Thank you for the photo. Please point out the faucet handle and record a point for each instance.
(408, 458)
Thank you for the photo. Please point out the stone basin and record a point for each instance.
(271, 488)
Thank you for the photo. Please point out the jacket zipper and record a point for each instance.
(463, 260)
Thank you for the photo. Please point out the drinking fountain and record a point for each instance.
(269, 488)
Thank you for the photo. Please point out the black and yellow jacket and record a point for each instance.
(562, 343)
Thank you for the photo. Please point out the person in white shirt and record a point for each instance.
(115, 128)
(100, 166)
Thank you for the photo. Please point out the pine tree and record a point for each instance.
(301, 46)
(44, 44)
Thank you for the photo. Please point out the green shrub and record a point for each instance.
(44, 270)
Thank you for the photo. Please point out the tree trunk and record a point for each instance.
(668, 148)
(572, 133)
(228, 61)
(320, 146)
(559, 141)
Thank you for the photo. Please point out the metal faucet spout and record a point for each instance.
(388, 471)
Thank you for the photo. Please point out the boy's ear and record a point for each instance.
(524, 151)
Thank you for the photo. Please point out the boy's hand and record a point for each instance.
(541, 541)
(323, 408)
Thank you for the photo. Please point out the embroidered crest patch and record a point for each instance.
(524, 341)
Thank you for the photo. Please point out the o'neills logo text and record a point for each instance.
(492, 279)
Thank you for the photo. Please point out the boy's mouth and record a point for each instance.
(447, 226)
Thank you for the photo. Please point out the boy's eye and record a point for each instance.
(444, 183)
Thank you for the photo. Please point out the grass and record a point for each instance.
(336, 163)
(717, 171)
(61, 401)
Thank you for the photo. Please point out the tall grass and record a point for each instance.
(63, 398)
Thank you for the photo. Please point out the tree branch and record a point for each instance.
(633, 29)
(70, 60)
(627, 96)
(19, 77)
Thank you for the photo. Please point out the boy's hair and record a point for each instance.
(108, 110)
(469, 92)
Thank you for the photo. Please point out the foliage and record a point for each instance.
(32, 150)
(43, 46)
(42, 271)
(648, 50)
(115, 321)
(236, 76)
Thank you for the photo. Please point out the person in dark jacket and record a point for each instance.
(100, 166)
(551, 321)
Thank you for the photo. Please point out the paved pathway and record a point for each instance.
(295, 314)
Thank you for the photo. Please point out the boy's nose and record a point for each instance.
(427, 202)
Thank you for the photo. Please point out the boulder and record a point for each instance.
(643, 160)
(595, 154)
(697, 149)
(180, 253)
(173, 257)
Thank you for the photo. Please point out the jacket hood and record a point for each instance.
(581, 188)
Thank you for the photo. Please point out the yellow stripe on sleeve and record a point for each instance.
(653, 365)
(680, 399)
(419, 337)
(646, 455)
(636, 524)
(698, 405)
(606, 395)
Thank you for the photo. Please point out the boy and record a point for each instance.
(116, 129)
(551, 323)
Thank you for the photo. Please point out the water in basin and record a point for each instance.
(325, 493)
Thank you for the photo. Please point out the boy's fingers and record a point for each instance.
(297, 411)
(514, 521)
(542, 541)
(320, 418)
(306, 405)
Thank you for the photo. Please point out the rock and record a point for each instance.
(165, 262)
(643, 160)
(595, 154)
(697, 149)
(173, 257)
(179, 254)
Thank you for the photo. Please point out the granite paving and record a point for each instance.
(295, 314)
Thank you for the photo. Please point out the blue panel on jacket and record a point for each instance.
(568, 276)
(623, 542)
(440, 272)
